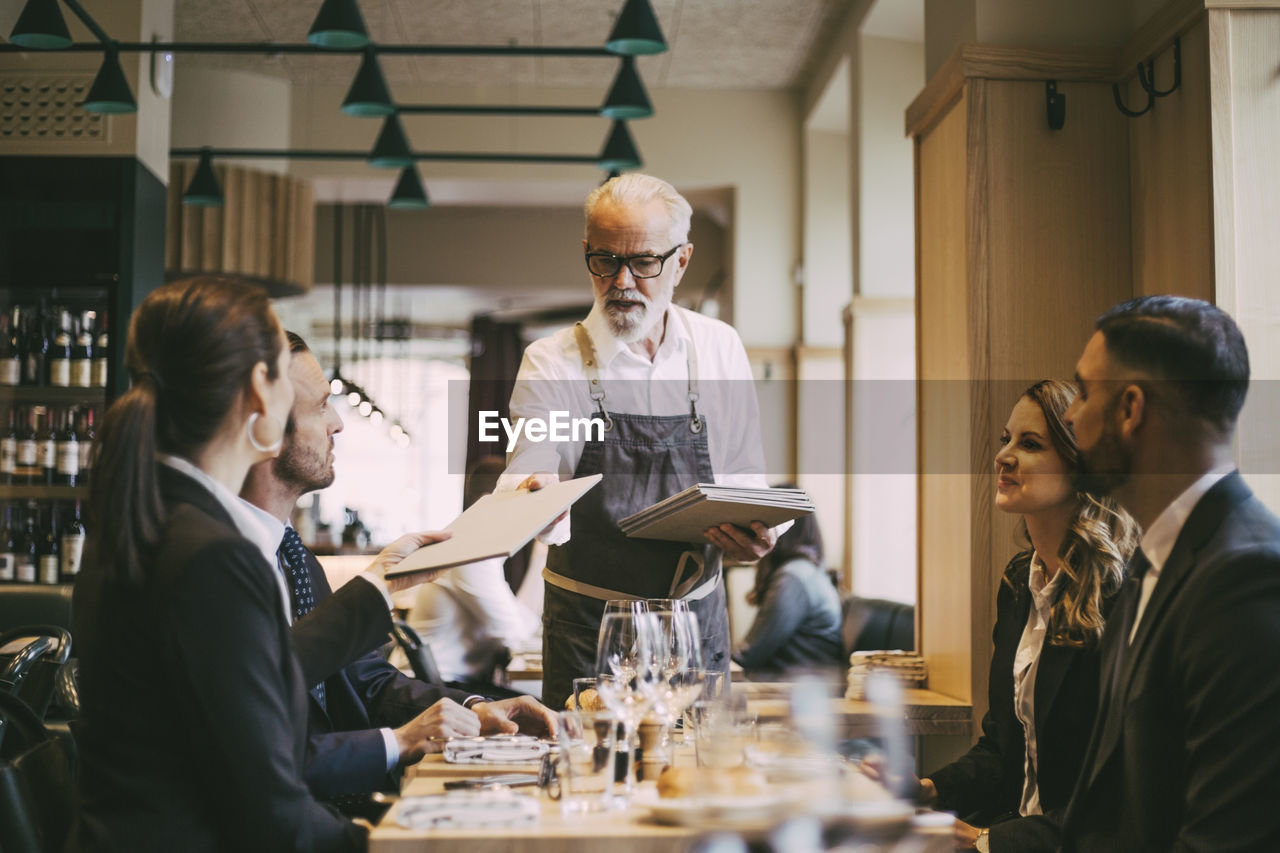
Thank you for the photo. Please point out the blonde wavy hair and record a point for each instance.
(1099, 540)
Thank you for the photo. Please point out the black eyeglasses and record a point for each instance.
(607, 264)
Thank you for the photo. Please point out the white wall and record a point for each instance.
(828, 258)
(891, 75)
(227, 108)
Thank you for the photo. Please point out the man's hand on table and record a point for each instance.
(743, 546)
(391, 555)
(445, 718)
(521, 714)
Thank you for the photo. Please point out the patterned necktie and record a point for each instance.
(294, 557)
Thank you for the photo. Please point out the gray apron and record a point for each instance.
(644, 459)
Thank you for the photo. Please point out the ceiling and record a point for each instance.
(732, 44)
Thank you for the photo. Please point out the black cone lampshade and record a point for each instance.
(619, 150)
(368, 96)
(636, 32)
(627, 97)
(391, 150)
(110, 91)
(204, 190)
(409, 193)
(41, 26)
(338, 24)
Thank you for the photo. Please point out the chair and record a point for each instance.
(35, 604)
(418, 653)
(32, 672)
(875, 623)
(37, 777)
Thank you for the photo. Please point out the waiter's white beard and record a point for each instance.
(631, 327)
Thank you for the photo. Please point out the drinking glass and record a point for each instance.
(580, 686)
(709, 681)
(680, 662)
(586, 748)
(627, 673)
(722, 733)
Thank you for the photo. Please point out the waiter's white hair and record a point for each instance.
(636, 190)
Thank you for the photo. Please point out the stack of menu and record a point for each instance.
(684, 517)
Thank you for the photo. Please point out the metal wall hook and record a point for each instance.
(1055, 105)
(1151, 102)
(1147, 76)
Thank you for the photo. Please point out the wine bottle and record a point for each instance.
(60, 351)
(28, 468)
(10, 360)
(86, 436)
(68, 472)
(47, 448)
(49, 556)
(37, 349)
(72, 544)
(82, 353)
(8, 535)
(28, 547)
(101, 352)
(9, 449)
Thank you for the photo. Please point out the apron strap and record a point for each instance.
(696, 422)
(591, 367)
(692, 593)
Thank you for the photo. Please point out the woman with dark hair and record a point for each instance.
(797, 620)
(1050, 609)
(194, 703)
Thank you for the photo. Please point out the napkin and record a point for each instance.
(467, 810)
(498, 749)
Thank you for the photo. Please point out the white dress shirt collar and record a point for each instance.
(274, 527)
(1160, 537)
(609, 347)
(249, 525)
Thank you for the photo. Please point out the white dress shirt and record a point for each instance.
(1162, 535)
(1026, 666)
(551, 378)
(468, 615)
(274, 531)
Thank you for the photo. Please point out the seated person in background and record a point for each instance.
(1043, 688)
(470, 617)
(797, 620)
(367, 720)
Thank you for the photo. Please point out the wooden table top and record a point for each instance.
(925, 712)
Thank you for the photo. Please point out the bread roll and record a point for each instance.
(711, 781)
(591, 701)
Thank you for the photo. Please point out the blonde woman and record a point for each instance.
(1050, 609)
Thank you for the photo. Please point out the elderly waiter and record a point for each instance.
(674, 391)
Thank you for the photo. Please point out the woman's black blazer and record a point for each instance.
(986, 783)
(194, 725)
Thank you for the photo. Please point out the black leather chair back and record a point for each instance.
(37, 782)
(418, 653)
(875, 623)
(30, 669)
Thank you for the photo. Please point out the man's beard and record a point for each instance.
(1105, 467)
(629, 327)
(305, 472)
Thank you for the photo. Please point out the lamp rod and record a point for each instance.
(445, 156)
(450, 109)
(269, 48)
(98, 32)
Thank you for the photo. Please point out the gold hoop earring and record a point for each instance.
(257, 444)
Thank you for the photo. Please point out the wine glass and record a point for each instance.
(680, 662)
(627, 670)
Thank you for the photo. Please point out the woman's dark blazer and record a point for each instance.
(985, 784)
(194, 725)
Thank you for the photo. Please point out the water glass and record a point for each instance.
(581, 685)
(721, 733)
(586, 759)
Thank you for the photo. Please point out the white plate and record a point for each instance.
(740, 814)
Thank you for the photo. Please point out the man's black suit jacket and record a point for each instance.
(191, 736)
(986, 783)
(346, 753)
(1185, 755)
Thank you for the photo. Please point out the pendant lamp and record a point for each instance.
(636, 32)
(41, 26)
(619, 150)
(368, 96)
(409, 193)
(338, 24)
(204, 191)
(110, 91)
(627, 97)
(391, 150)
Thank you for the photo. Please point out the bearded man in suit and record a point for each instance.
(1183, 754)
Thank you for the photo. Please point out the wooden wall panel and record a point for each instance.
(942, 301)
(1171, 176)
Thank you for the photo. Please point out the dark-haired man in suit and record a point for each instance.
(368, 720)
(1184, 754)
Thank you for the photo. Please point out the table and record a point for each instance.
(528, 667)
(925, 711)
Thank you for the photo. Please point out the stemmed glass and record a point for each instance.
(627, 670)
(680, 662)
